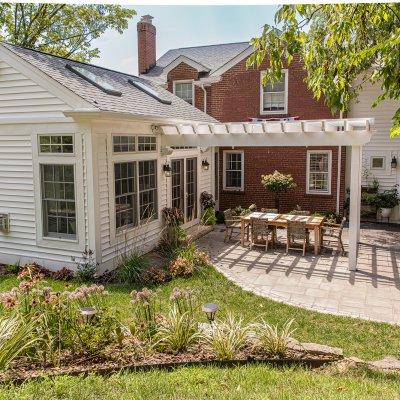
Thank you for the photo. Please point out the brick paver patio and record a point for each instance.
(321, 282)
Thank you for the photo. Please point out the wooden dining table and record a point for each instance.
(281, 220)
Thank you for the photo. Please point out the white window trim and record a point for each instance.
(383, 168)
(75, 159)
(319, 192)
(56, 154)
(285, 110)
(233, 189)
(136, 150)
(117, 236)
(185, 81)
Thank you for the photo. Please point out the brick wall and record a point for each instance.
(288, 160)
(146, 46)
(236, 97)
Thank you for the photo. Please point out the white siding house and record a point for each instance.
(378, 154)
(58, 161)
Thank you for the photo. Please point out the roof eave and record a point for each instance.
(90, 114)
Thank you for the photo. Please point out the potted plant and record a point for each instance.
(386, 201)
(277, 183)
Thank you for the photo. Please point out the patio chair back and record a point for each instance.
(296, 230)
(269, 210)
(229, 217)
(259, 228)
(300, 212)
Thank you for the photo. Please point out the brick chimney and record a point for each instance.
(146, 44)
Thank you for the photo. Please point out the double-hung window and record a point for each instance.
(274, 96)
(57, 186)
(184, 90)
(319, 167)
(233, 170)
(58, 201)
(135, 192)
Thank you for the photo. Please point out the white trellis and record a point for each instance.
(335, 132)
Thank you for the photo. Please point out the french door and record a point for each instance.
(184, 187)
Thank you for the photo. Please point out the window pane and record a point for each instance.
(377, 162)
(56, 144)
(147, 190)
(125, 194)
(147, 143)
(233, 170)
(58, 200)
(274, 95)
(122, 144)
(184, 90)
(318, 172)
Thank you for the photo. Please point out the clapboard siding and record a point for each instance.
(20, 96)
(381, 145)
(147, 236)
(18, 199)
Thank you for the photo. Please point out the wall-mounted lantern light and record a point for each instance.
(205, 165)
(167, 170)
(393, 164)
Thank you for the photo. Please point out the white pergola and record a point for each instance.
(335, 132)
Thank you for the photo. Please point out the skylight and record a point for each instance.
(148, 90)
(94, 80)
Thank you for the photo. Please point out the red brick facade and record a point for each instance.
(146, 32)
(293, 160)
(236, 97)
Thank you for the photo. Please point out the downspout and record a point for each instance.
(205, 98)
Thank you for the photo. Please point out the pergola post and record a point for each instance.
(355, 203)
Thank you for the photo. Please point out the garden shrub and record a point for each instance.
(86, 267)
(145, 313)
(131, 268)
(173, 235)
(225, 338)
(155, 276)
(64, 274)
(208, 217)
(176, 332)
(272, 339)
(188, 261)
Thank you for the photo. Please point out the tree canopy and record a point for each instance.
(342, 46)
(62, 29)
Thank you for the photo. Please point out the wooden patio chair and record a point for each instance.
(260, 233)
(300, 212)
(232, 224)
(296, 230)
(269, 210)
(334, 231)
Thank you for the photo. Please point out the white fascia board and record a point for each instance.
(42, 79)
(232, 62)
(186, 60)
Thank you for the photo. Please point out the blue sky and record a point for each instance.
(183, 26)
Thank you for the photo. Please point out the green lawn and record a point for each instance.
(364, 339)
(250, 382)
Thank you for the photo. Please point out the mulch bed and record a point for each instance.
(118, 360)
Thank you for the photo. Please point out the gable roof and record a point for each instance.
(133, 100)
(212, 57)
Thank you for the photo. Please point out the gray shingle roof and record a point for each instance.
(212, 57)
(133, 100)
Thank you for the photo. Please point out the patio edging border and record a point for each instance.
(109, 370)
